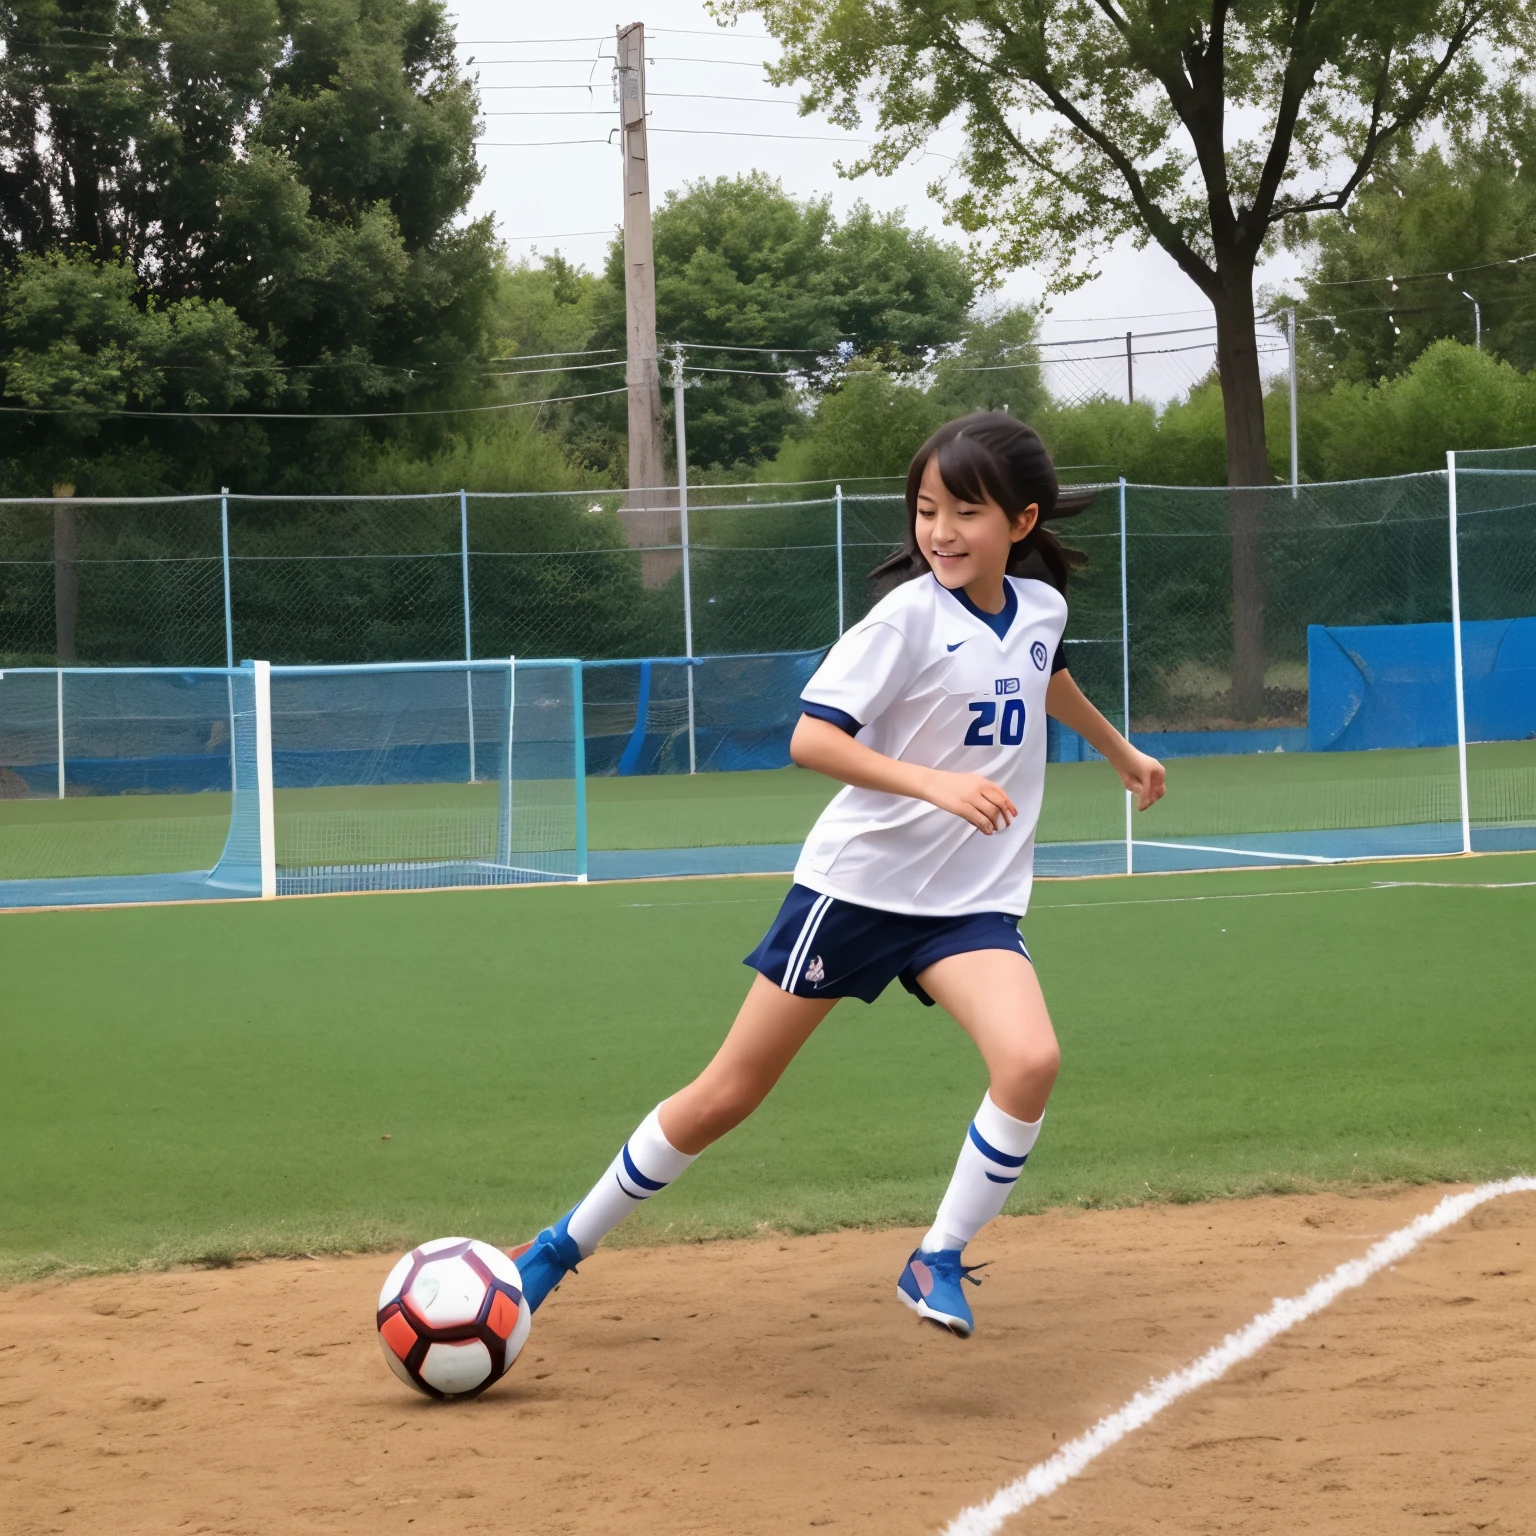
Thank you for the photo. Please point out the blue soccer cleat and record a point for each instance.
(547, 1260)
(930, 1285)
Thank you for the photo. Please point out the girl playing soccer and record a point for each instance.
(932, 713)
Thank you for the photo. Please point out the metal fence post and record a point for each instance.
(1290, 336)
(229, 635)
(1461, 696)
(579, 770)
(229, 612)
(469, 651)
(60, 706)
(682, 507)
(1125, 677)
(841, 620)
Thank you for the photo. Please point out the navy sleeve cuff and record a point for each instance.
(844, 722)
(1059, 660)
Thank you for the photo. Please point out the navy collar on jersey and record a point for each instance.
(998, 623)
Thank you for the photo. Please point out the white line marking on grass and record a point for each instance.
(1244, 853)
(1176, 901)
(1327, 890)
(1046, 1477)
(1463, 885)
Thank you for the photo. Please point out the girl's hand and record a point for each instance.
(972, 798)
(1144, 776)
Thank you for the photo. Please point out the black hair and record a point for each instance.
(991, 456)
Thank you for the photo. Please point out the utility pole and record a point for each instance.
(649, 522)
(1130, 377)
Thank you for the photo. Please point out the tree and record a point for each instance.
(741, 264)
(870, 419)
(995, 367)
(1086, 120)
(298, 167)
(1421, 218)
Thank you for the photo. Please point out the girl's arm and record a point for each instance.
(821, 746)
(1144, 776)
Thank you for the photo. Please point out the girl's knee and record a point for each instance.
(1028, 1072)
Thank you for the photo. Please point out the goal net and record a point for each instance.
(129, 785)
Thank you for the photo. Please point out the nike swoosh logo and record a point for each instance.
(956, 646)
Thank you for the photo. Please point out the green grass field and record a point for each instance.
(1209, 797)
(197, 1082)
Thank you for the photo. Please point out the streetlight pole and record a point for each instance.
(1477, 319)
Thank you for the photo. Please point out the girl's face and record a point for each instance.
(966, 543)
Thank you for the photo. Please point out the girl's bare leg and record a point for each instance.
(994, 996)
(769, 1030)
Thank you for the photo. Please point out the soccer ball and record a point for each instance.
(452, 1317)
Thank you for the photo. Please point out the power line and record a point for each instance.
(708, 133)
(713, 346)
(1413, 277)
(536, 143)
(753, 373)
(564, 60)
(539, 42)
(451, 410)
(569, 234)
(523, 42)
(518, 373)
(680, 58)
(754, 37)
(762, 101)
(731, 133)
(530, 356)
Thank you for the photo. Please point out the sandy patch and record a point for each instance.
(777, 1385)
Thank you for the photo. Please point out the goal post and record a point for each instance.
(264, 780)
(414, 775)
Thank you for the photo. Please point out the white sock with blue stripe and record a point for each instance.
(991, 1159)
(646, 1164)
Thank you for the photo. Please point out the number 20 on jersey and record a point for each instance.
(1010, 729)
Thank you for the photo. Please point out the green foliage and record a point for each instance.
(871, 426)
(275, 188)
(1450, 398)
(79, 338)
(1425, 214)
(1303, 1039)
(740, 263)
(995, 367)
(1204, 126)
(871, 421)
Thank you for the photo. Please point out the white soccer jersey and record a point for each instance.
(927, 678)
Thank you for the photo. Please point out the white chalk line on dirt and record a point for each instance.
(1046, 1477)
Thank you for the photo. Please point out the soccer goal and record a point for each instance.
(149, 784)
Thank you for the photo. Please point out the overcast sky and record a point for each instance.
(545, 76)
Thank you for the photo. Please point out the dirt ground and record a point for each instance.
(777, 1385)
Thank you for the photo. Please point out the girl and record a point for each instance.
(932, 713)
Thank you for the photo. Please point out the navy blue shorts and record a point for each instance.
(819, 946)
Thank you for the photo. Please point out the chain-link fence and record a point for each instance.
(1290, 649)
(203, 581)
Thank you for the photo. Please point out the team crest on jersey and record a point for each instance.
(1038, 655)
(816, 972)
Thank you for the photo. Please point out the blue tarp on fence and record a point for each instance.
(1393, 685)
